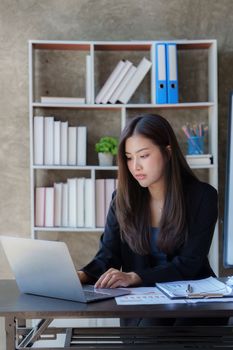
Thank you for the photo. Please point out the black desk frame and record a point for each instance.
(18, 308)
(109, 338)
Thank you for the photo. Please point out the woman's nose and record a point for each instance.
(136, 164)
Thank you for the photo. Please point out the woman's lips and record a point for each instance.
(140, 177)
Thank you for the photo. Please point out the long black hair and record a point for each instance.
(133, 201)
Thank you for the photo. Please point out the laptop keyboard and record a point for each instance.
(94, 295)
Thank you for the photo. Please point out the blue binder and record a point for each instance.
(172, 73)
(160, 73)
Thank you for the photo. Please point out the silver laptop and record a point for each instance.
(45, 268)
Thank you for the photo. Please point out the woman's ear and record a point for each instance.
(169, 149)
(169, 152)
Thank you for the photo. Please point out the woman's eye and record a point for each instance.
(144, 156)
(128, 159)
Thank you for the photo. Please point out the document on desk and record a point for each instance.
(146, 296)
(205, 288)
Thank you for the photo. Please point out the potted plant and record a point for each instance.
(107, 149)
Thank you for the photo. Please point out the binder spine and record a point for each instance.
(161, 74)
(172, 73)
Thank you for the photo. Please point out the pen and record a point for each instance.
(189, 289)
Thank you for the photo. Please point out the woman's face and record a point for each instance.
(145, 160)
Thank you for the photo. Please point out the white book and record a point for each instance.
(135, 81)
(40, 206)
(72, 202)
(199, 159)
(38, 140)
(89, 203)
(116, 82)
(64, 143)
(64, 207)
(72, 145)
(80, 201)
(49, 207)
(88, 79)
(122, 85)
(100, 202)
(109, 81)
(57, 204)
(48, 140)
(116, 184)
(81, 145)
(109, 188)
(57, 143)
(61, 100)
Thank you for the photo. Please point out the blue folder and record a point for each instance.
(172, 73)
(160, 73)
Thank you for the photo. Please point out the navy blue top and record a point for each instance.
(160, 258)
(189, 261)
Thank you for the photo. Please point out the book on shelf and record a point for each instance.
(100, 202)
(88, 79)
(104, 190)
(81, 145)
(140, 73)
(172, 73)
(38, 145)
(39, 206)
(116, 82)
(109, 81)
(64, 143)
(49, 207)
(48, 140)
(72, 145)
(80, 201)
(109, 188)
(116, 183)
(199, 159)
(57, 203)
(89, 203)
(64, 206)
(61, 100)
(57, 143)
(160, 73)
(166, 73)
(72, 202)
(123, 83)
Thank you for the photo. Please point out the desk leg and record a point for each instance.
(35, 333)
(10, 327)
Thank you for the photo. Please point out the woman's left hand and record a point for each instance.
(114, 278)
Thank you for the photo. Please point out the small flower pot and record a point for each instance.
(105, 159)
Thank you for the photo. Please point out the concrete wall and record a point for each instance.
(21, 20)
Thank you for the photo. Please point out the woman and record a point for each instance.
(161, 220)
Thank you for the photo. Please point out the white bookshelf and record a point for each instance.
(40, 81)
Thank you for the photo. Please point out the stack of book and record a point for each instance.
(123, 81)
(57, 143)
(71, 204)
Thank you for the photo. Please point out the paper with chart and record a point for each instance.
(205, 288)
(146, 296)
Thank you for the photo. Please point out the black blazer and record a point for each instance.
(190, 261)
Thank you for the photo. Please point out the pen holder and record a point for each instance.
(196, 145)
